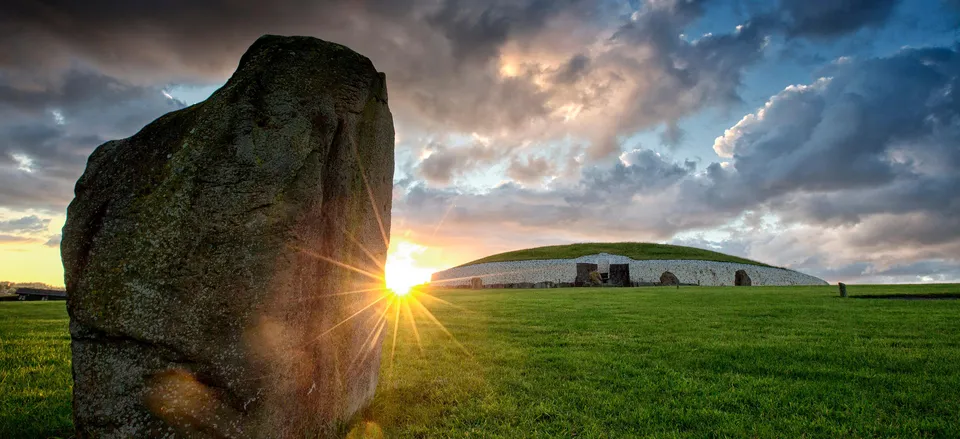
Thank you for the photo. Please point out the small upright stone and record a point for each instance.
(476, 283)
(843, 289)
(668, 278)
(206, 256)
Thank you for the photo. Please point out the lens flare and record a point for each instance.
(401, 272)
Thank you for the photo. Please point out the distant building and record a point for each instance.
(40, 294)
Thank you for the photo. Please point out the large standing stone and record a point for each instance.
(741, 279)
(620, 275)
(583, 273)
(668, 278)
(476, 283)
(204, 255)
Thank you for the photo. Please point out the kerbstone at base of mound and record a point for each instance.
(203, 255)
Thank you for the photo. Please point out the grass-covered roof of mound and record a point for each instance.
(635, 250)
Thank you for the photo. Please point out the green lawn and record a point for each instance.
(613, 362)
(35, 379)
(636, 250)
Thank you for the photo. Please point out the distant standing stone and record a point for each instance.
(741, 279)
(476, 283)
(843, 289)
(206, 256)
(668, 278)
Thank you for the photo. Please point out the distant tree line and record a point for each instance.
(7, 287)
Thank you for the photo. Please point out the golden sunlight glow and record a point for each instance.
(401, 271)
(509, 70)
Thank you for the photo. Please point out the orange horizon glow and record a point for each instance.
(410, 261)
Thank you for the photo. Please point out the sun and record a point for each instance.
(401, 273)
(401, 277)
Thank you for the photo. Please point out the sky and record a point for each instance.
(818, 135)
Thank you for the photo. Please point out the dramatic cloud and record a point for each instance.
(443, 163)
(605, 201)
(518, 119)
(831, 18)
(26, 225)
(846, 176)
(843, 147)
(531, 170)
(46, 133)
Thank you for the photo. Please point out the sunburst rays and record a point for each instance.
(396, 305)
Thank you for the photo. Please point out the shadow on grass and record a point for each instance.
(930, 296)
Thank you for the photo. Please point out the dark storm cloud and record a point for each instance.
(844, 147)
(162, 42)
(47, 131)
(478, 29)
(442, 59)
(832, 18)
(573, 69)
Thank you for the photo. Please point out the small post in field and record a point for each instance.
(843, 289)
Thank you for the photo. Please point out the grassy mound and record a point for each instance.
(636, 250)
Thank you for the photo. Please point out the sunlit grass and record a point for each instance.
(610, 362)
(35, 379)
(698, 362)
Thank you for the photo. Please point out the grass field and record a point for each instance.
(35, 379)
(636, 250)
(614, 362)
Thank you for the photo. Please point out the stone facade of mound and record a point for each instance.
(563, 272)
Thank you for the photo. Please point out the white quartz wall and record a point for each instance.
(707, 273)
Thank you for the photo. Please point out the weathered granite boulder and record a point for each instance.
(668, 278)
(741, 279)
(203, 255)
(595, 279)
